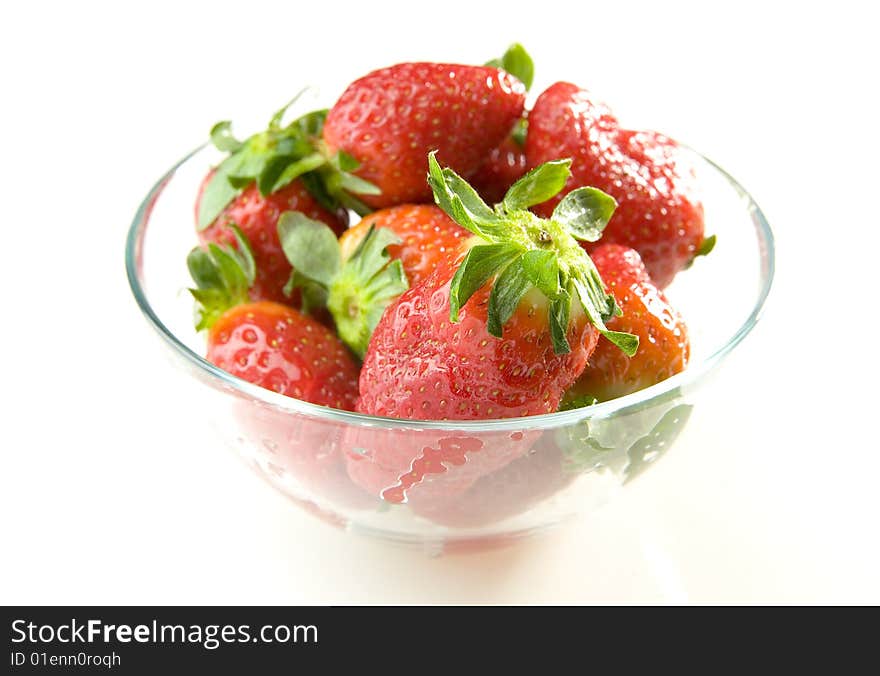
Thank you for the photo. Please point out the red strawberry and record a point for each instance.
(420, 365)
(427, 236)
(357, 277)
(389, 119)
(425, 466)
(279, 169)
(663, 336)
(498, 337)
(659, 213)
(266, 343)
(281, 349)
(504, 166)
(257, 216)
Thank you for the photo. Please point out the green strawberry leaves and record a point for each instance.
(222, 138)
(538, 185)
(223, 276)
(586, 211)
(480, 264)
(276, 157)
(523, 251)
(355, 291)
(517, 62)
(310, 246)
(706, 246)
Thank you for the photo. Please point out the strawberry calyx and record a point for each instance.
(516, 61)
(522, 251)
(355, 290)
(223, 275)
(275, 157)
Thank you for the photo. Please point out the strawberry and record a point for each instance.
(663, 336)
(283, 168)
(426, 234)
(266, 343)
(501, 169)
(257, 216)
(357, 277)
(658, 212)
(493, 332)
(453, 323)
(390, 118)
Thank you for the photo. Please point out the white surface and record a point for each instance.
(109, 491)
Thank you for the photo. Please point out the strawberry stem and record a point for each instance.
(356, 291)
(522, 251)
(223, 277)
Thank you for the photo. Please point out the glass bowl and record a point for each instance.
(453, 485)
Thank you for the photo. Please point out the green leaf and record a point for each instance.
(560, 312)
(312, 294)
(470, 211)
(316, 185)
(223, 275)
(310, 246)
(479, 265)
(598, 305)
(437, 181)
(520, 132)
(344, 161)
(296, 169)
(244, 254)
(539, 185)
(542, 270)
(278, 117)
(507, 292)
(202, 269)
(239, 182)
(585, 212)
(222, 138)
(570, 401)
(371, 254)
(355, 184)
(367, 283)
(549, 255)
(351, 202)
(273, 168)
(601, 306)
(706, 246)
(216, 195)
(517, 62)
(627, 342)
(309, 125)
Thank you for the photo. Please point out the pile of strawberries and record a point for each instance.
(507, 262)
(466, 290)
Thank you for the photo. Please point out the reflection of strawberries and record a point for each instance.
(307, 450)
(509, 491)
(409, 465)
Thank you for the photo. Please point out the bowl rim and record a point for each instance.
(637, 400)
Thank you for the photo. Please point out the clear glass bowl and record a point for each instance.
(470, 483)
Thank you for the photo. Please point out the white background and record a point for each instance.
(111, 491)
